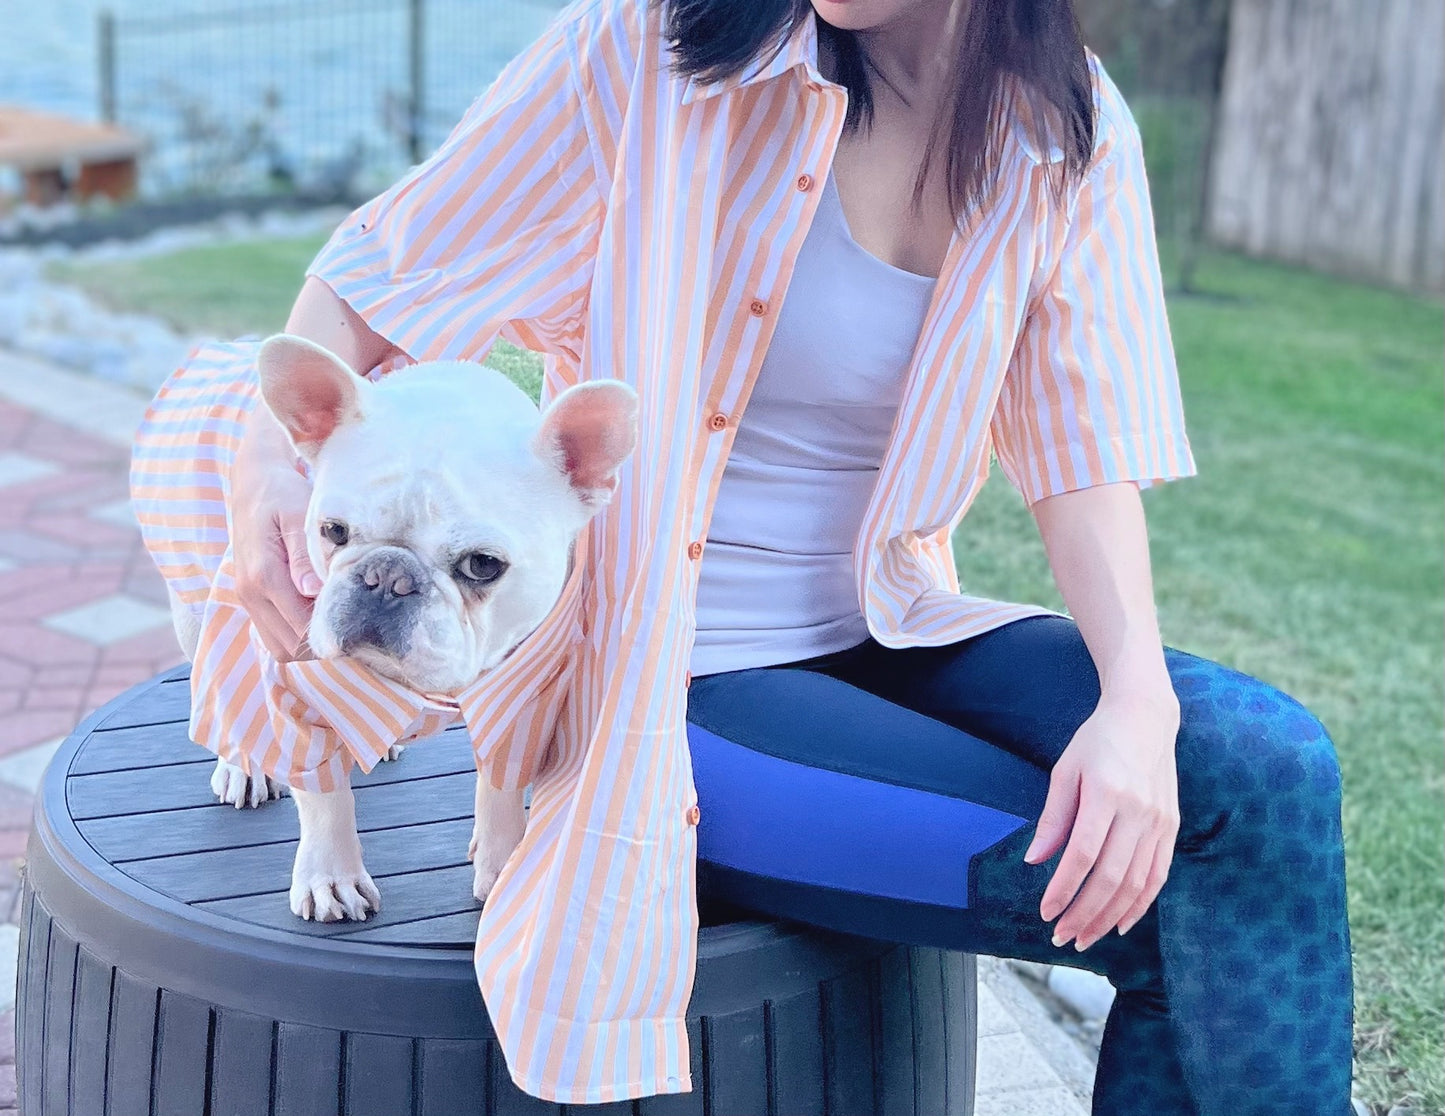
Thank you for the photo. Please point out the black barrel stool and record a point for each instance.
(162, 973)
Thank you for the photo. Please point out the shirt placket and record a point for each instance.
(722, 403)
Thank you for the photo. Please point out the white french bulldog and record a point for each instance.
(442, 517)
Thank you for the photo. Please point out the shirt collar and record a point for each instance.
(799, 49)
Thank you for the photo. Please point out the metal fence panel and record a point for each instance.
(324, 96)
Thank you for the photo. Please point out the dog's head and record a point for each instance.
(443, 505)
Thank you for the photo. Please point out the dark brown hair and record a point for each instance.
(1016, 58)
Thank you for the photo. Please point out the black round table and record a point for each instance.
(163, 974)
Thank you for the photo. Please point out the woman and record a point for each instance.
(843, 248)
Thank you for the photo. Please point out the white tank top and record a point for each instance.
(776, 582)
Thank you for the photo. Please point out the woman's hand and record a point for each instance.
(1114, 796)
(274, 578)
(1114, 793)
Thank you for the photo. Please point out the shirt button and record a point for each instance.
(805, 182)
(758, 307)
(694, 815)
(694, 550)
(718, 421)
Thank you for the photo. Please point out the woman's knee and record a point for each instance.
(1249, 750)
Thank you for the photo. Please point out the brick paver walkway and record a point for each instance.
(82, 611)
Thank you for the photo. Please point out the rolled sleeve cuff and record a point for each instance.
(1107, 461)
(356, 266)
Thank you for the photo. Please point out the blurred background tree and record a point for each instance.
(1303, 131)
(1167, 56)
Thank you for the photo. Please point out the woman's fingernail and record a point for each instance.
(1058, 940)
(1080, 945)
(310, 584)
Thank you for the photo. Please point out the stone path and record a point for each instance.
(83, 617)
(82, 610)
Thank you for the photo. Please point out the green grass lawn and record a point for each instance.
(1310, 551)
(222, 290)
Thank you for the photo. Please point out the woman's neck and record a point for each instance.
(913, 53)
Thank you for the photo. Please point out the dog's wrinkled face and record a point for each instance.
(443, 507)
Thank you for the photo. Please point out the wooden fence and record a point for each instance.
(1329, 147)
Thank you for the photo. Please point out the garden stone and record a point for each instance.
(105, 251)
(1031, 970)
(11, 319)
(63, 325)
(61, 348)
(1087, 994)
(110, 359)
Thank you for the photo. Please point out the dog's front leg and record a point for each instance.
(497, 829)
(230, 784)
(328, 881)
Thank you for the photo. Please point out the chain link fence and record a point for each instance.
(328, 98)
(334, 98)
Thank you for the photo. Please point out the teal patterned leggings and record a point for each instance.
(892, 793)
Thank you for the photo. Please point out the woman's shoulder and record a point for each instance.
(608, 31)
(1113, 121)
(1114, 124)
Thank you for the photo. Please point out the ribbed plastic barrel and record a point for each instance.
(163, 974)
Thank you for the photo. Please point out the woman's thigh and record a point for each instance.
(885, 790)
(1026, 687)
(828, 804)
(1244, 749)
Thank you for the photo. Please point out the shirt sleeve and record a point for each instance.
(1091, 395)
(495, 234)
(181, 464)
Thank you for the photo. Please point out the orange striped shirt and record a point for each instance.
(631, 223)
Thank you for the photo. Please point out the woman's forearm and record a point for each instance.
(1113, 803)
(1098, 549)
(319, 315)
(268, 500)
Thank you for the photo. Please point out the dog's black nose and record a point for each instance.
(388, 587)
(391, 572)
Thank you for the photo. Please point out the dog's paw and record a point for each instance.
(484, 875)
(332, 896)
(230, 784)
(486, 868)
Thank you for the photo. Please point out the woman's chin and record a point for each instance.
(856, 15)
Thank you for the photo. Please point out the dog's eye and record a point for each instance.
(480, 568)
(335, 532)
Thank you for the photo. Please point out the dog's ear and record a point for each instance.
(309, 390)
(588, 432)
